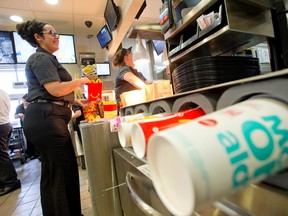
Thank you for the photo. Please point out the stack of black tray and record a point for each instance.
(212, 70)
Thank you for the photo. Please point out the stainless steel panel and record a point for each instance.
(143, 187)
(260, 199)
(254, 199)
(242, 16)
(98, 143)
(126, 162)
(226, 41)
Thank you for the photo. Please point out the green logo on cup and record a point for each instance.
(276, 140)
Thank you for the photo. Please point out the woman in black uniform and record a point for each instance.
(127, 77)
(50, 93)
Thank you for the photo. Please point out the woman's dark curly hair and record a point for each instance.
(27, 30)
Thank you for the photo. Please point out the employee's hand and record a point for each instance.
(82, 102)
(85, 80)
(92, 77)
(20, 115)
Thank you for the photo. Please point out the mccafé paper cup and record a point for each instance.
(212, 156)
(124, 129)
(141, 131)
(115, 122)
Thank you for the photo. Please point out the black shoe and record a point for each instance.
(8, 189)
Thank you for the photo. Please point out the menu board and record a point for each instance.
(7, 51)
(65, 55)
(23, 48)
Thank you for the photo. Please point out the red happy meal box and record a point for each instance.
(95, 91)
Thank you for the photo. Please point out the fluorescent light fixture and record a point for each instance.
(52, 2)
(16, 18)
(140, 53)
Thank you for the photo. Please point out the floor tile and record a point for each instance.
(26, 200)
(22, 213)
(21, 208)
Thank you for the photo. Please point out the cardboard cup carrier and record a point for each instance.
(214, 155)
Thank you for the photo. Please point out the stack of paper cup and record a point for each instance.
(212, 156)
(124, 128)
(141, 131)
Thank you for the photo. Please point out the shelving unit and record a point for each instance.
(243, 24)
(16, 145)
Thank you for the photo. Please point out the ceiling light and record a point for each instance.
(16, 18)
(140, 53)
(52, 2)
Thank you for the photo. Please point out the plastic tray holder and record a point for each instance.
(175, 50)
(142, 108)
(128, 111)
(191, 39)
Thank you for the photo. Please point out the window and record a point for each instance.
(8, 75)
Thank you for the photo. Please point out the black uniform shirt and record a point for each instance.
(20, 109)
(122, 85)
(43, 67)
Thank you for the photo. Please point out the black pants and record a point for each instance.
(8, 175)
(45, 126)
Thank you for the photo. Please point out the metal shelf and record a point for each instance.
(203, 6)
(225, 41)
(244, 24)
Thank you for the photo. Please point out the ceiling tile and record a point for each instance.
(80, 27)
(63, 23)
(9, 25)
(64, 6)
(152, 9)
(89, 7)
(68, 16)
(16, 4)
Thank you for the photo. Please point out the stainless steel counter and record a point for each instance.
(140, 197)
(98, 143)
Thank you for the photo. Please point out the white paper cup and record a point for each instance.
(142, 131)
(213, 156)
(124, 134)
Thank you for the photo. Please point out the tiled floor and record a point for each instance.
(26, 200)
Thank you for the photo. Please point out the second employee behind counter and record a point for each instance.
(127, 78)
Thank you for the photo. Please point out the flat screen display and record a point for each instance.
(103, 69)
(104, 37)
(7, 50)
(23, 49)
(159, 46)
(111, 15)
(65, 55)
